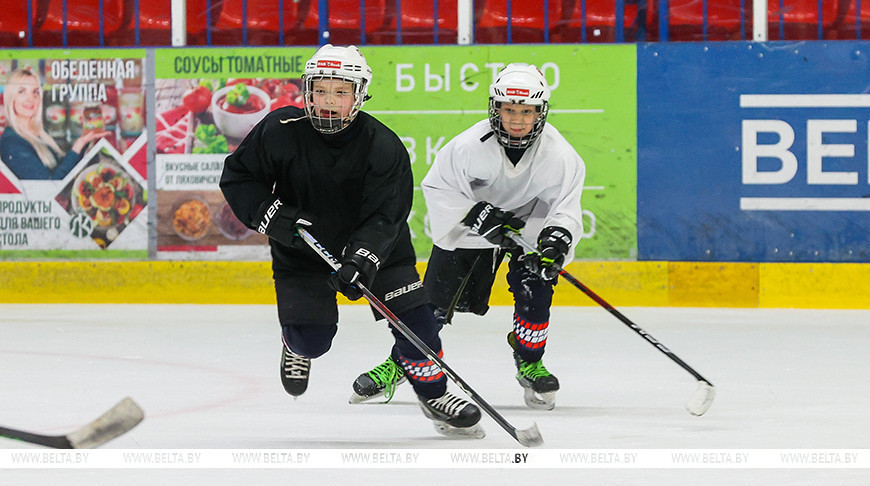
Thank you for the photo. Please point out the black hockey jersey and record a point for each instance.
(357, 184)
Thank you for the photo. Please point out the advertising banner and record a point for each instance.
(427, 95)
(206, 101)
(753, 152)
(73, 155)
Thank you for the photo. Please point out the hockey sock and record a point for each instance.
(425, 376)
(531, 338)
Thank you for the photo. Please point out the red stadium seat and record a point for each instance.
(344, 21)
(201, 17)
(800, 18)
(13, 23)
(527, 21)
(600, 23)
(155, 23)
(83, 22)
(855, 24)
(262, 22)
(418, 23)
(686, 20)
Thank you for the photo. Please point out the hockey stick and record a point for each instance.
(448, 317)
(703, 396)
(119, 420)
(530, 437)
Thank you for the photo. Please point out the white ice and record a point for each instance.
(207, 378)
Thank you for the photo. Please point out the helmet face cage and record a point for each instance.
(346, 64)
(521, 84)
(331, 124)
(504, 137)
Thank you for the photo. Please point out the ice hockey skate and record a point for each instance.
(539, 385)
(453, 417)
(294, 372)
(380, 382)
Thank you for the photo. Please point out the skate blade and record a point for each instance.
(447, 430)
(539, 401)
(354, 398)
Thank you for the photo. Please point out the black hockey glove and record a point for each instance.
(493, 223)
(553, 244)
(279, 221)
(358, 266)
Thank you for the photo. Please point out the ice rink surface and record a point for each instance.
(207, 378)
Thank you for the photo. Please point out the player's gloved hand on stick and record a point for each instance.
(357, 266)
(553, 245)
(493, 223)
(279, 221)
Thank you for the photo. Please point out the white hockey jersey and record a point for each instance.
(543, 189)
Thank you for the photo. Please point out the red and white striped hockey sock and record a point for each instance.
(531, 338)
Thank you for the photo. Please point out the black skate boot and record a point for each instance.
(294, 372)
(453, 416)
(382, 381)
(539, 385)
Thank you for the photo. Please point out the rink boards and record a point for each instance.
(691, 284)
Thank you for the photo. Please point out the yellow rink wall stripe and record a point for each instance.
(693, 284)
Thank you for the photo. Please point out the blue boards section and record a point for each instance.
(728, 173)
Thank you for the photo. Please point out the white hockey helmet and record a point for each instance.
(342, 63)
(519, 83)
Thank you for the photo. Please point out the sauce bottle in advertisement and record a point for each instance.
(92, 118)
(54, 118)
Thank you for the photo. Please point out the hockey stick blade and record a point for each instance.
(702, 399)
(530, 437)
(125, 415)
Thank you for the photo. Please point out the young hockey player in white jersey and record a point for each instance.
(513, 171)
(346, 177)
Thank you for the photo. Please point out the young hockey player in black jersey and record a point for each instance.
(346, 178)
(511, 171)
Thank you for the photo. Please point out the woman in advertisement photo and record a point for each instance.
(25, 147)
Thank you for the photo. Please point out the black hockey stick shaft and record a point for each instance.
(625, 320)
(408, 333)
(55, 441)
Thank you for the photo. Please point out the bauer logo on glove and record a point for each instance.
(357, 266)
(279, 221)
(493, 223)
(267, 218)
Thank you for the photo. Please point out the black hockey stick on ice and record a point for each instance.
(119, 420)
(703, 397)
(530, 437)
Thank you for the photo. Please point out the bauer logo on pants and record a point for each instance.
(407, 289)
